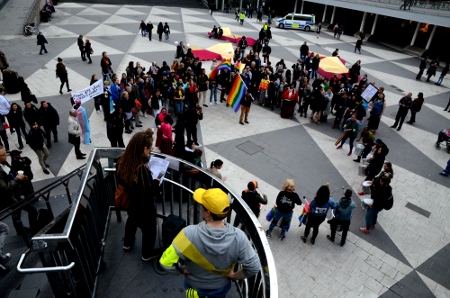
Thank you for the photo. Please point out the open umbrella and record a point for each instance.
(332, 65)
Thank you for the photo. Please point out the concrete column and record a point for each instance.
(295, 6)
(301, 7)
(217, 5)
(431, 38)
(223, 4)
(240, 5)
(363, 21)
(374, 25)
(257, 4)
(332, 15)
(413, 40)
(324, 13)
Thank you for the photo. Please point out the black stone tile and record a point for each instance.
(418, 209)
(82, 29)
(411, 285)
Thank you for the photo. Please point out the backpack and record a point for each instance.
(389, 203)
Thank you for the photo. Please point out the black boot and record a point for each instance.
(358, 159)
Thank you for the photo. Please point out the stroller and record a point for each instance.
(443, 139)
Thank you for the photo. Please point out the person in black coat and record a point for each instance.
(15, 120)
(19, 163)
(358, 45)
(88, 50)
(25, 92)
(80, 43)
(114, 128)
(31, 114)
(160, 30)
(178, 148)
(192, 115)
(50, 121)
(36, 138)
(149, 30)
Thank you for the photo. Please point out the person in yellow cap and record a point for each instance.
(207, 253)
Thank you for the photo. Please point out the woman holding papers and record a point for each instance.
(136, 178)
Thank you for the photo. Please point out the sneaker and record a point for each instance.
(313, 241)
(372, 227)
(60, 92)
(241, 123)
(393, 126)
(210, 103)
(329, 238)
(46, 172)
(246, 122)
(342, 244)
(303, 239)
(145, 115)
(318, 122)
(81, 157)
(268, 235)
(361, 193)
(281, 238)
(196, 144)
(149, 258)
(339, 147)
(205, 105)
(138, 125)
(364, 230)
(443, 173)
(311, 120)
(21, 147)
(349, 154)
(4, 258)
(68, 90)
(356, 160)
(99, 112)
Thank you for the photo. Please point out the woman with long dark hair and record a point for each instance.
(135, 176)
(319, 209)
(15, 120)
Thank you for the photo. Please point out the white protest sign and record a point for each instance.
(88, 93)
(369, 93)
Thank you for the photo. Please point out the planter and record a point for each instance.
(10, 81)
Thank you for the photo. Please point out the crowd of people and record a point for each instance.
(182, 87)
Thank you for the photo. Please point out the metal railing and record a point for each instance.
(45, 194)
(71, 247)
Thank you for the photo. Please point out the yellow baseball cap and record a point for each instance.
(214, 200)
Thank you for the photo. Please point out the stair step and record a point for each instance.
(30, 293)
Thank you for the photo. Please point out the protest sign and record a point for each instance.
(88, 93)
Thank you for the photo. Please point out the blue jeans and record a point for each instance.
(216, 293)
(213, 93)
(447, 169)
(43, 49)
(441, 78)
(179, 106)
(166, 35)
(352, 139)
(284, 223)
(372, 216)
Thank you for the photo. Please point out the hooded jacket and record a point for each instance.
(344, 209)
(222, 247)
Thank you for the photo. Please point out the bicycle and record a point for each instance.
(30, 29)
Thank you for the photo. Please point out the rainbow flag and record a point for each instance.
(237, 92)
(223, 65)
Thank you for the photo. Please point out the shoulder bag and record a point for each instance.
(121, 200)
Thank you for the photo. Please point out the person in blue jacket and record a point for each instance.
(342, 216)
(319, 209)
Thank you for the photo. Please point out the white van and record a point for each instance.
(297, 21)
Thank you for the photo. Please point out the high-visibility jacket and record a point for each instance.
(264, 85)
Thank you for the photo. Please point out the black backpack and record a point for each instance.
(389, 203)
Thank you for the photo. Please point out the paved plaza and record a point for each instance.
(408, 255)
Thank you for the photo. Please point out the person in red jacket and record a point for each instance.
(290, 98)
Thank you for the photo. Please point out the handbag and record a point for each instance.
(121, 199)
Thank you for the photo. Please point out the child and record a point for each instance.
(253, 200)
(342, 216)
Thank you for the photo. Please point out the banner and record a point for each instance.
(88, 93)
